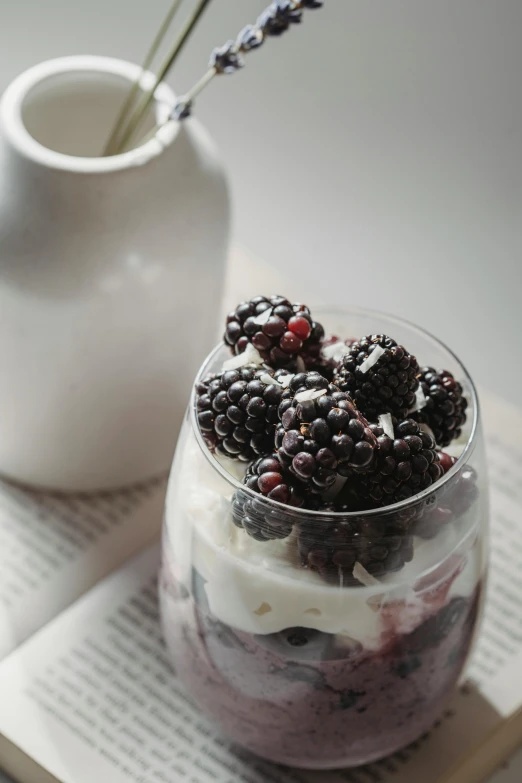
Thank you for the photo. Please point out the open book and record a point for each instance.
(91, 695)
(53, 548)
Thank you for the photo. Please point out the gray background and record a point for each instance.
(375, 151)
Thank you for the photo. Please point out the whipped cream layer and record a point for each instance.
(261, 588)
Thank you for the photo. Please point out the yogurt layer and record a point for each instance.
(260, 588)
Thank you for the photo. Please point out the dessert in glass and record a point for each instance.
(324, 546)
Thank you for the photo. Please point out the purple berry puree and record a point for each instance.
(312, 699)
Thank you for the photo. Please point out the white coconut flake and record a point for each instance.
(420, 400)
(285, 380)
(266, 378)
(385, 421)
(335, 351)
(375, 602)
(334, 490)
(263, 317)
(361, 574)
(309, 394)
(300, 365)
(263, 609)
(372, 359)
(249, 356)
(329, 351)
(426, 428)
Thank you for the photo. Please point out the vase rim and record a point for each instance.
(14, 128)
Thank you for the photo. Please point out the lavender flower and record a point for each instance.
(290, 9)
(278, 17)
(181, 110)
(250, 37)
(226, 59)
(275, 20)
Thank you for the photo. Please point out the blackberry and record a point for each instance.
(435, 516)
(446, 461)
(387, 386)
(404, 466)
(452, 503)
(432, 521)
(267, 477)
(332, 547)
(322, 434)
(465, 493)
(237, 412)
(260, 522)
(282, 332)
(445, 409)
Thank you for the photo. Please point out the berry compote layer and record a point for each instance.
(302, 670)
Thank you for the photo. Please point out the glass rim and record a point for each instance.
(373, 512)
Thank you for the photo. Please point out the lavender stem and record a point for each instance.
(144, 104)
(127, 105)
(227, 59)
(185, 99)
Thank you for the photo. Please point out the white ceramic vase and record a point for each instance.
(111, 272)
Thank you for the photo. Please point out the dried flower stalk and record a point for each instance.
(143, 105)
(228, 59)
(133, 92)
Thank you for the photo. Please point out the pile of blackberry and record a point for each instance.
(335, 426)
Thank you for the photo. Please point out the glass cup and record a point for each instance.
(340, 639)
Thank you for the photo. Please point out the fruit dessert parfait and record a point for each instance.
(323, 555)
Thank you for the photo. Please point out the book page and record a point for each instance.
(94, 695)
(55, 547)
(499, 651)
(511, 770)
